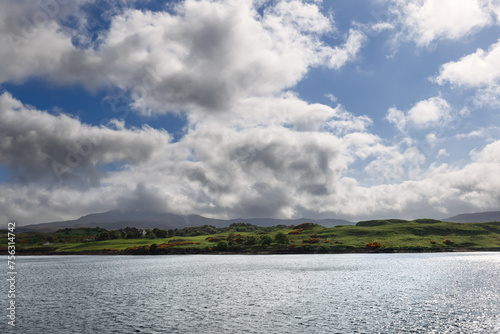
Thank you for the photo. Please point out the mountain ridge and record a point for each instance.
(116, 219)
(477, 217)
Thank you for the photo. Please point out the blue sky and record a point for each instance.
(348, 109)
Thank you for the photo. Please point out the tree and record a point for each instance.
(102, 236)
(251, 240)
(265, 240)
(160, 233)
(153, 248)
(221, 246)
(114, 235)
(281, 239)
(132, 233)
(150, 234)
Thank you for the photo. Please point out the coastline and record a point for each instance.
(270, 251)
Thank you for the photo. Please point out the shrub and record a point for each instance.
(447, 241)
(311, 241)
(306, 226)
(239, 238)
(373, 245)
(427, 221)
(433, 242)
(371, 223)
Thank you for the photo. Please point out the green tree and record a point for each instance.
(153, 248)
(251, 240)
(281, 239)
(132, 233)
(160, 233)
(102, 236)
(114, 235)
(265, 240)
(150, 234)
(221, 245)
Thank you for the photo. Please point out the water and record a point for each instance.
(343, 293)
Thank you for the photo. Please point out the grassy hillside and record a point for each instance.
(417, 235)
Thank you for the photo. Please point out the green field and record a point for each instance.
(417, 235)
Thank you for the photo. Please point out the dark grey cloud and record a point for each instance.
(40, 147)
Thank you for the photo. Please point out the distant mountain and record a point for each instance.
(480, 217)
(116, 219)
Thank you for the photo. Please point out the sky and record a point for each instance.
(350, 109)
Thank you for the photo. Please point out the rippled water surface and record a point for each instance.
(344, 293)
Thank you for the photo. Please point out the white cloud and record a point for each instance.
(381, 26)
(331, 97)
(339, 56)
(426, 21)
(204, 55)
(234, 166)
(427, 113)
(478, 69)
(489, 154)
(488, 96)
(470, 189)
(443, 153)
(431, 139)
(32, 43)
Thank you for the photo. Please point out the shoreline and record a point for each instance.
(269, 251)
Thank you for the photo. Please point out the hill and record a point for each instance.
(117, 219)
(392, 235)
(479, 217)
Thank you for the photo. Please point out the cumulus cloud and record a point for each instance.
(38, 146)
(203, 54)
(291, 152)
(426, 21)
(218, 52)
(427, 113)
(478, 70)
(475, 70)
(471, 188)
(35, 43)
(224, 168)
